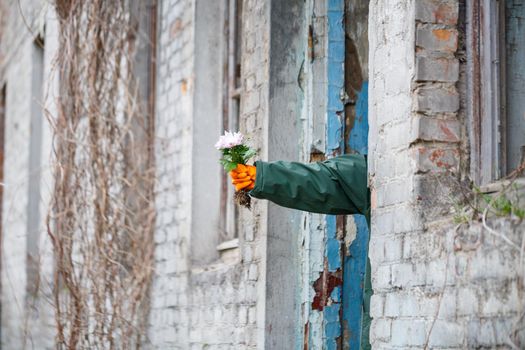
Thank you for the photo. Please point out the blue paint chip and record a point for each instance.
(332, 326)
(336, 51)
(358, 140)
(331, 222)
(336, 5)
(333, 254)
(333, 133)
(334, 100)
(336, 295)
(335, 26)
(336, 74)
(333, 246)
(331, 313)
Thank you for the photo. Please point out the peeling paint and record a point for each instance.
(324, 287)
(330, 299)
(353, 282)
(333, 245)
(306, 337)
(332, 326)
(358, 140)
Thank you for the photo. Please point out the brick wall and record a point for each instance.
(218, 305)
(214, 306)
(436, 284)
(169, 317)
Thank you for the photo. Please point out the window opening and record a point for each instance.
(496, 66)
(232, 103)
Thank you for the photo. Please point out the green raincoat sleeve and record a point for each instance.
(336, 186)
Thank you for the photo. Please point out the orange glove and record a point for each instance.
(243, 177)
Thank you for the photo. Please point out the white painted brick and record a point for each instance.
(448, 304)
(394, 248)
(408, 274)
(410, 304)
(252, 315)
(395, 192)
(377, 304)
(253, 274)
(243, 315)
(446, 335)
(408, 333)
(381, 277)
(468, 301)
(381, 329)
(481, 333)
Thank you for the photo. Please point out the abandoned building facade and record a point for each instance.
(432, 91)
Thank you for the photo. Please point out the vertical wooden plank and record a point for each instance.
(334, 147)
(474, 86)
(356, 141)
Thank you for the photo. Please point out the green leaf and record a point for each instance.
(249, 154)
(228, 165)
(236, 155)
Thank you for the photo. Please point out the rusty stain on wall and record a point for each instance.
(442, 34)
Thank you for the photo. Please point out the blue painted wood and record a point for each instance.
(333, 245)
(334, 146)
(358, 141)
(353, 283)
(350, 295)
(332, 325)
(356, 256)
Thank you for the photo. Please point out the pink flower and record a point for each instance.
(229, 140)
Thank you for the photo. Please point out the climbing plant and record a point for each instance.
(101, 217)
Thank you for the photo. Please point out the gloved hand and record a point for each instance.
(243, 177)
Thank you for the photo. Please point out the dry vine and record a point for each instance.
(101, 218)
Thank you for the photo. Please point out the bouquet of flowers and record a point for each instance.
(235, 152)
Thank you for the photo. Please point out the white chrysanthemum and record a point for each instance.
(229, 140)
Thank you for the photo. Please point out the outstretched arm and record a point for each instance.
(335, 186)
